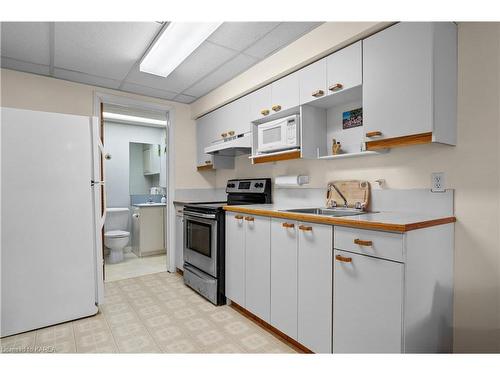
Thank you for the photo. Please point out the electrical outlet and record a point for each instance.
(437, 182)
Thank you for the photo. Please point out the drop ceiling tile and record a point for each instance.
(223, 74)
(240, 35)
(104, 49)
(86, 78)
(202, 61)
(25, 66)
(148, 91)
(26, 41)
(278, 38)
(187, 99)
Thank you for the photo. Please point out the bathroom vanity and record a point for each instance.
(148, 235)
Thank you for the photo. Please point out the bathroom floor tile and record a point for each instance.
(151, 314)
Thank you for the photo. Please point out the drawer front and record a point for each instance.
(368, 242)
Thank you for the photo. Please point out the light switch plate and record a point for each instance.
(438, 182)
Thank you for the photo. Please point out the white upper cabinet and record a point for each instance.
(312, 80)
(409, 83)
(260, 103)
(344, 69)
(285, 93)
(203, 129)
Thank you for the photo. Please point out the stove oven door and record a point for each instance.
(200, 241)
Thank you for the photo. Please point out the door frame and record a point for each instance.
(169, 226)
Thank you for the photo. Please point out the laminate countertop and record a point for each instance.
(384, 221)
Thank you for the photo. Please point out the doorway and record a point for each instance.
(137, 192)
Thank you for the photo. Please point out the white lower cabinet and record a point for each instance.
(314, 282)
(284, 249)
(235, 258)
(367, 312)
(179, 239)
(258, 266)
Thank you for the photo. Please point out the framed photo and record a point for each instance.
(352, 118)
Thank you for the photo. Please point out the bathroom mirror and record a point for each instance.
(145, 169)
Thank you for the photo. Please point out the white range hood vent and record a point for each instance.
(238, 145)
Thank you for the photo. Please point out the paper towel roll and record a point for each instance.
(291, 180)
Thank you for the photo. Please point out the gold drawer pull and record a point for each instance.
(288, 225)
(336, 87)
(208, 161)
(376, 133)
(249, 218)
(318, 93)
(223, 135)
(305, 228)
(238, 217)
(276, 108)
(340, 258)
(359, 242)
(264, 112)
(231, 133)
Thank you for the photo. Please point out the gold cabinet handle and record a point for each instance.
(318, 93)
(238, 217)
(359, 242)
(231, 133)
(223, 135)
(208, 161)
(336, 87)
(264, 112)
(376, 133)
(305, 228)
(288, 225)
(276, 108)
(340, 258)
(249, 218)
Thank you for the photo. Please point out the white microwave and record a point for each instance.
(279, 135)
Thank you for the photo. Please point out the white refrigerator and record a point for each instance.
(51, 249)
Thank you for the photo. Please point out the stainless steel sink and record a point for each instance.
(336, 212)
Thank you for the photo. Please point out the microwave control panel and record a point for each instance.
(291, 132)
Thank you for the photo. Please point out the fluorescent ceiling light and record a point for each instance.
(128, 118)
(174, 45)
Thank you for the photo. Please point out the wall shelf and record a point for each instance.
(350, 155)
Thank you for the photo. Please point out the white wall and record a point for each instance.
(117, 139)
(472, 168)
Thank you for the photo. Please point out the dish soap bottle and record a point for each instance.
(163, 199)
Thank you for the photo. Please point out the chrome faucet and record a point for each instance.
(150, 200)
(346, 205)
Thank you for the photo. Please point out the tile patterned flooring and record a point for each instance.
(152, 314)
(133, 266)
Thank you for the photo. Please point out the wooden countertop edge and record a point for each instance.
(343, 221)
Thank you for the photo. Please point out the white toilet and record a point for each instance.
(115, 235)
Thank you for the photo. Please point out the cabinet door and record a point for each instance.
(179, 242)
(344, 69)
(284, 276)
(260, 103)
(202, 140)
(258, 266)
(315, 287)
(285, 93)
(238, 116)
(397, 80)
(151, 229)
(235, 258)
(312, 79)
(368, 304)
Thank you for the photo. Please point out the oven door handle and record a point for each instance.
(198, 214)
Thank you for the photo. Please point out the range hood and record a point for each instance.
(240, 144)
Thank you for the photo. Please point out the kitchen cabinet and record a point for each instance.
(260, 103)
(344, 69)
(410, 85)
(179, 237)
(258, 266)
(315, 279)
(151, 160)
(235, 258)
(204, 132)
(368, 304)
(312, 79)
(285, 93)
(148, 235)
(284, 248)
